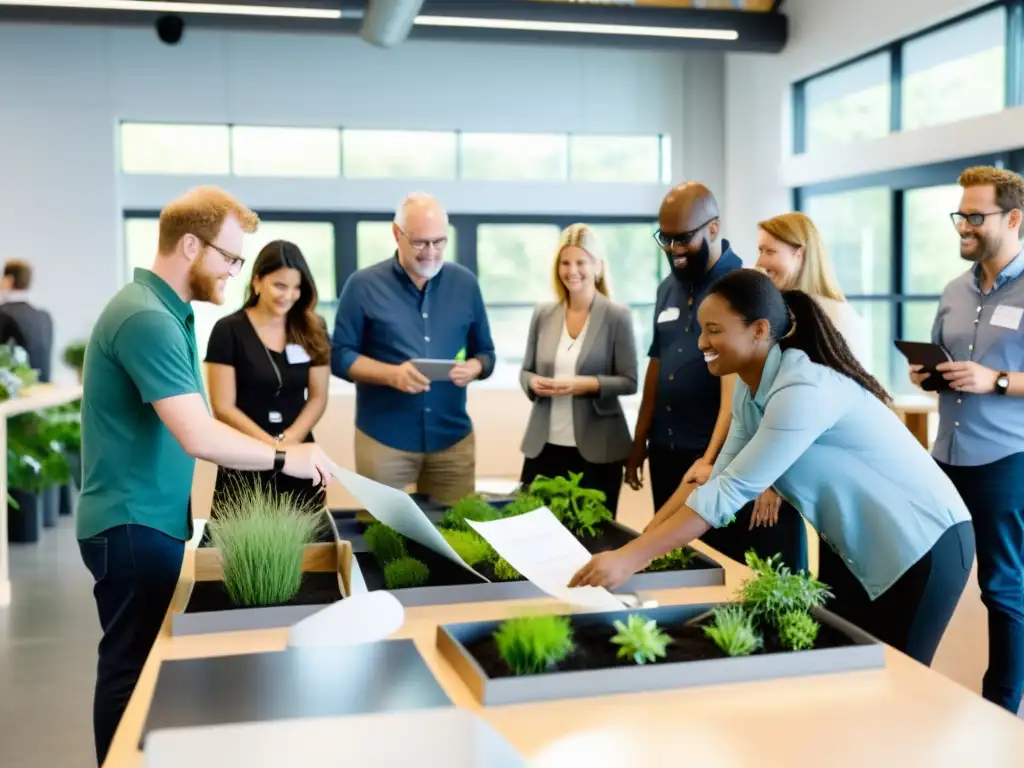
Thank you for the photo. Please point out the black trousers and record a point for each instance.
(913, 613)
(787, 538)
(994, 495)
(136, 571)
(555, 460)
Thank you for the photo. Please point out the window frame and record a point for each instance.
(1014, 75)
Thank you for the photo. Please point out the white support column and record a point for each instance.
(36, 398)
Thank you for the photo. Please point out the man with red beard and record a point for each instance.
(144, 423)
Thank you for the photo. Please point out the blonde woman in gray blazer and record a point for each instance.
(580, 359)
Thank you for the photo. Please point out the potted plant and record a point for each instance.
(36, 434)
(24, 510)
(435, 579)
(74, 357)
(264, 576)
(775, 627)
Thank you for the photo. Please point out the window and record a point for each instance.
(615, 158)
(515, 262)
(294, 152)
(955, 73)
(375, 242)
(634, 261)
(514, 156)
(857, 229)
(931, 241)
(398, 154)
(510, 327)
(918, 317)
(877, 315)
(848, 105)
(315, 239)
(167, 148)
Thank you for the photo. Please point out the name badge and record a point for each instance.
(295, 354)
(668, 315)
(1007, 317)
(274, 417)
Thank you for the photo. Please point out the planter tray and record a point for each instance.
(389, 676)
(852, 649)
(325, 566)
(456, 585)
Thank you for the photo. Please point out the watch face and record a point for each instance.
(1003, 382)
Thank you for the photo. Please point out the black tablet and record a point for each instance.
(928, 356)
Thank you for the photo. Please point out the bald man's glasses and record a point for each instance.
(669, 240)
(418, 245)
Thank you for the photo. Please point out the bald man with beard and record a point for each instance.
(685, 413)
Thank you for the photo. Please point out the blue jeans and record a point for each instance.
(136, 571)
(994, 494)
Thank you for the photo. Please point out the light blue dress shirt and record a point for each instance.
(842, 458)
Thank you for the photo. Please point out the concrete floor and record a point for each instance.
(48, 640)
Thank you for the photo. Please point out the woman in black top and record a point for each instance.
(268, 365)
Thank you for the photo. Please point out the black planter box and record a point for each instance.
(24, 523)
(51, 506)
(450, 583)
(68, 499)
(388, 676)
(850, 649)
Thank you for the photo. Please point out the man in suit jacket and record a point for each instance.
(23, 324)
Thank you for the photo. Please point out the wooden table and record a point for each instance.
(903, 715)
(915, 411)
(33, 398)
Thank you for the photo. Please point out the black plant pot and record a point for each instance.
(75, 463)
(68, 499)
(50, 499)
(23, 524)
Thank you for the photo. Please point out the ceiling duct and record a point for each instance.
(388, 22)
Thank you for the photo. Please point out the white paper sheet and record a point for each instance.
(396, 509)
(357, 619)
(545, 552)
(198, 527)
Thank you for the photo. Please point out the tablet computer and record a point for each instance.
(435, 370)
(928, 356)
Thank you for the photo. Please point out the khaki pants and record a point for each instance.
(445, 475)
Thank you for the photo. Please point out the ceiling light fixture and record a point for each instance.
(527, 25)
(159, 6)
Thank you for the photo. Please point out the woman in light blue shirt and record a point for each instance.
(807, 420)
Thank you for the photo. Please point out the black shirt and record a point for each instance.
(31, 329)
(271, 387)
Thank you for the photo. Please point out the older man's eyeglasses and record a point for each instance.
(418, 245)
(974, 219)
(235, 262)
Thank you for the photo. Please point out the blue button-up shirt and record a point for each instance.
(986, 328)
(688, 397)
(842, 458)
(385, 317)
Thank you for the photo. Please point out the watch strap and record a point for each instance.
(279, 459)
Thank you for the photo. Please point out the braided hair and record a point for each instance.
(796, 321)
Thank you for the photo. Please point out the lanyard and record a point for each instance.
(277, 371)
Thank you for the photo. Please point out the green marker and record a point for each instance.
(461, 355)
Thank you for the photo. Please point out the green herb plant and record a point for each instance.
(405, 572)
(472, 507)
(732, 630)
(776, 590)
(677, 560)
(262, 535)
(640, 639)
(384, 542)
(523, 502)
(503, 570)
(469, 545)
(798, 630)
(532, 644)
(581, 510)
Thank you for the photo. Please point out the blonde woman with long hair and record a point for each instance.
(790, 250)
(580, 359)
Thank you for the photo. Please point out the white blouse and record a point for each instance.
(561, 430)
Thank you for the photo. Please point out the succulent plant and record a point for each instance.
(733, 630)
(640, 639)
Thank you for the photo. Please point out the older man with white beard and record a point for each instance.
(409, 429)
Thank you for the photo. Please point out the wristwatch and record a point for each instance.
(1002, 383)
(279, 459)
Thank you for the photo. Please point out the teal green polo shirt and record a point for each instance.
(142, 349)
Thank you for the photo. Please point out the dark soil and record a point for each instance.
(594, 649)
(316, 589)
(325, 535)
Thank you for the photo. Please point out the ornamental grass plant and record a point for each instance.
(262, 535)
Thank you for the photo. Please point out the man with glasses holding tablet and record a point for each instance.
(980, 442)
(412, 333)
(685, 412)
